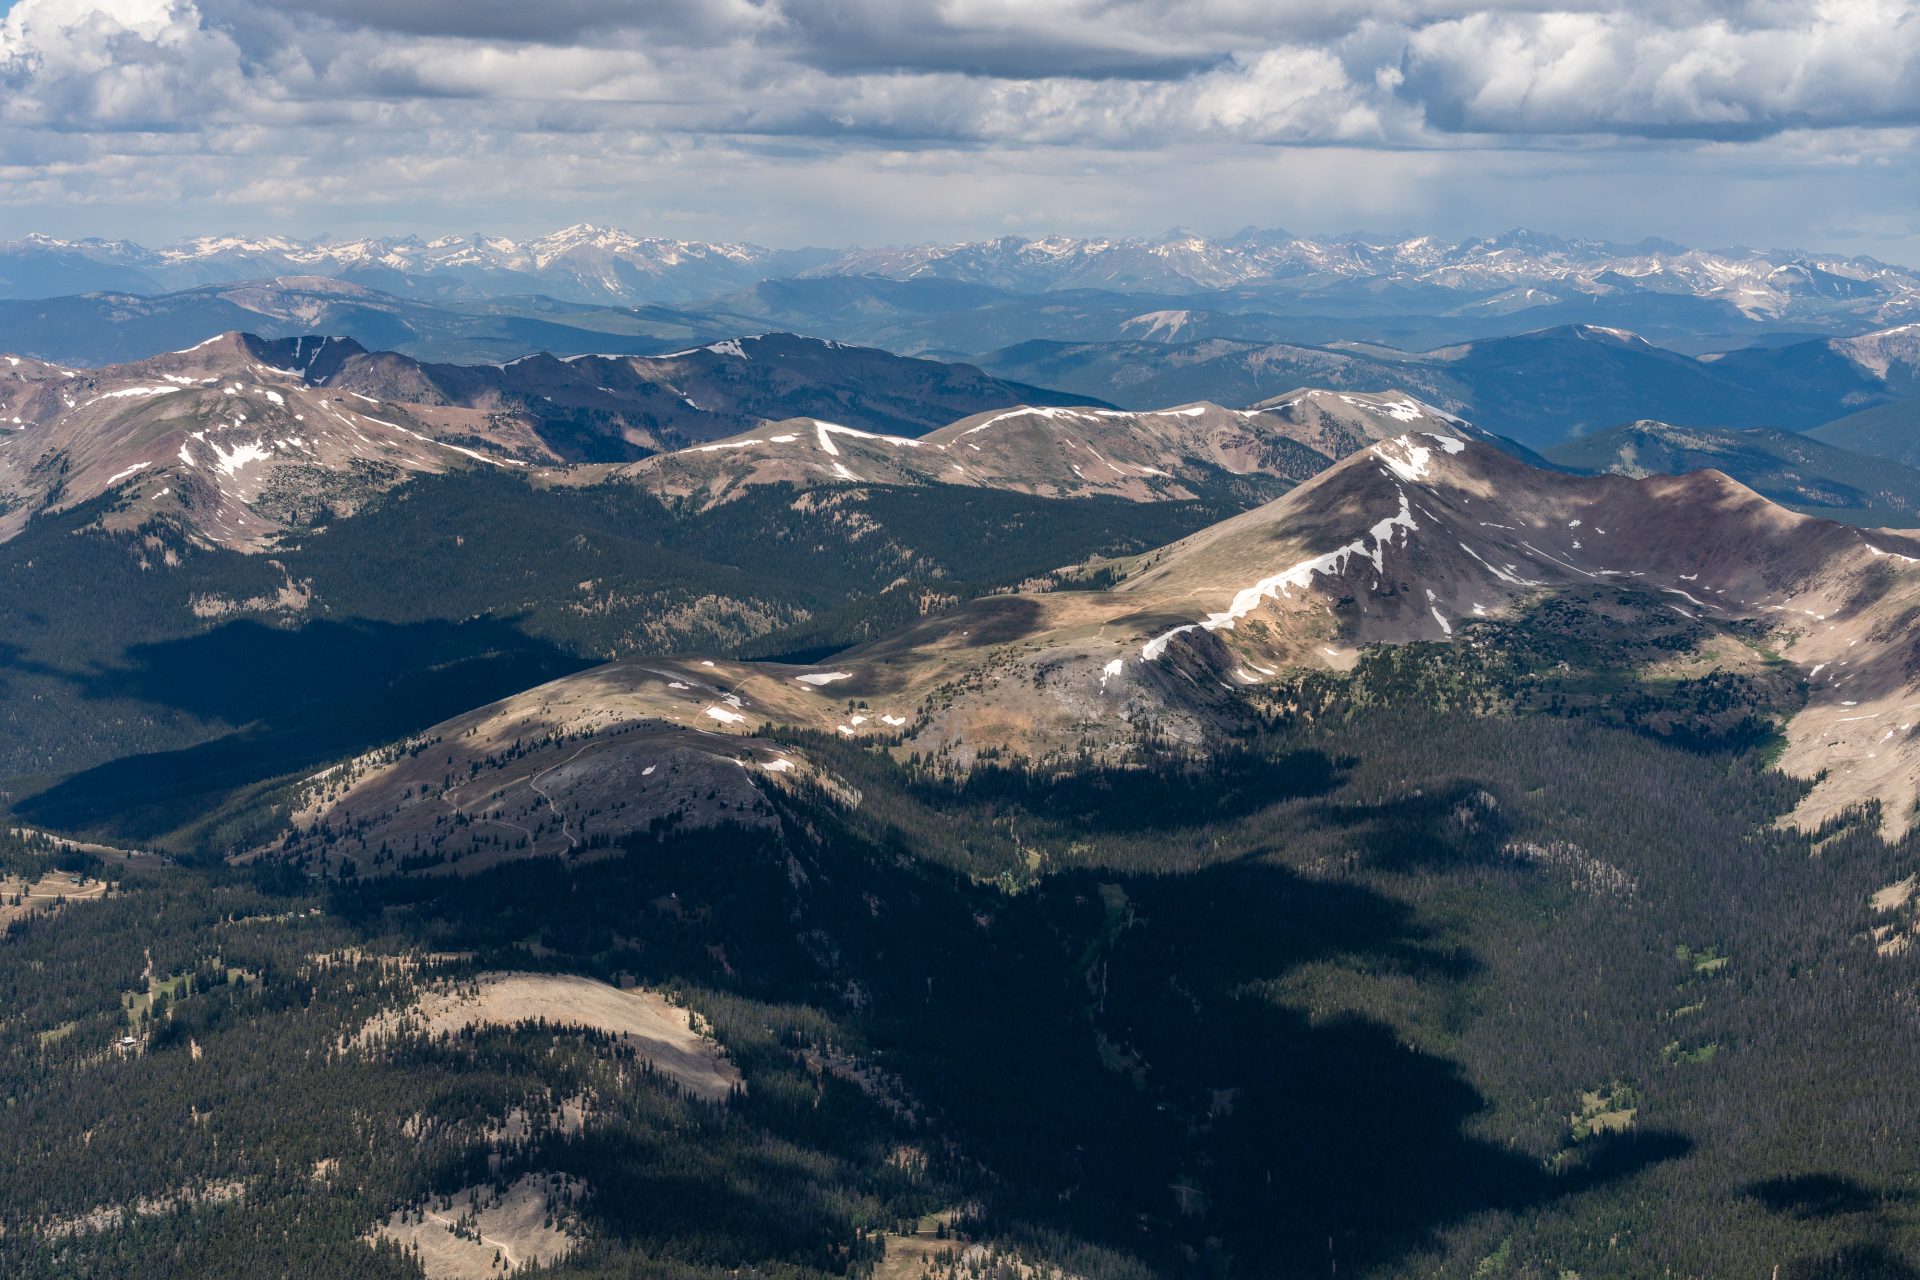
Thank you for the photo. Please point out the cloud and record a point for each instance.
(67, 66)
(363, 104)
(692, 24)
(1838, 63)
(1086, 69)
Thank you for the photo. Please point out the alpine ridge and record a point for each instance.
(1177, 453)
(1421, 538)
(242, 439)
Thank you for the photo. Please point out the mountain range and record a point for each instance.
(1184, 453)
(296, 432)
(1511, 272)
(284, 447)
(1536, 386)
(1419, 538)
(244, 437)
(579, 263)
(1485, 277)
(244, 442)
(775, 805)
(248, 483)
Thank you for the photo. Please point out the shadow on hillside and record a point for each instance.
(302, 697)
(1440, 825)
(1851, 1262)
(1162, 795)
(11, 655)
(1820, 1195)
(1105, 1051)
(1309, 1138)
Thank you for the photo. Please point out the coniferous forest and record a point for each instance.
(1482, 981)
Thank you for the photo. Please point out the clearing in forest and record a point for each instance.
(935, 1251)
(481, 1234)
(20, 898)
(659, 1031)
(114, 1216)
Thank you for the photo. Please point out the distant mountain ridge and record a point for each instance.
(1177, 454)
(1796, 469)
(115, 327)
(1890, 430)
(1537, 387)
(246, 441)
(586, 263)
(241, 439)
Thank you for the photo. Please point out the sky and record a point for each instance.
(1770, 123)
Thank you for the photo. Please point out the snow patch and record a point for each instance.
(826, 430)
(1028, 411)
(1675, 591)
(131, 392)
(242, 456)
(1403, 410)
(1896, 555)
(1404, 458)
(1247, 600)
